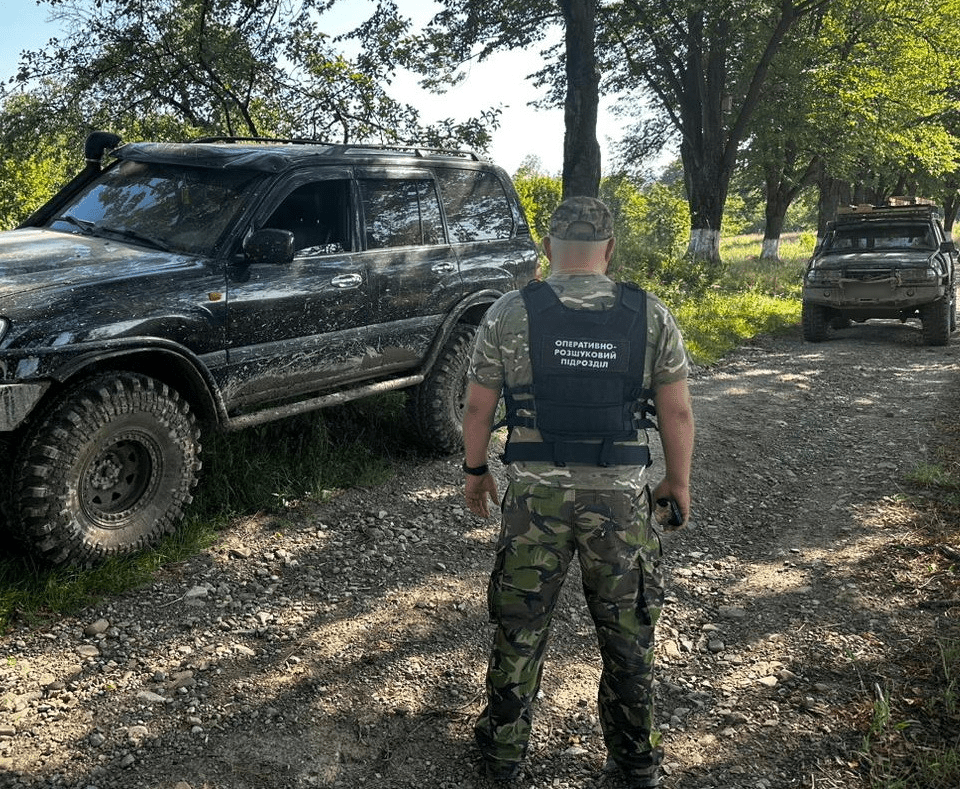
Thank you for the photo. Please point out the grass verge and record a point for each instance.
(257, 470)
(913, 738)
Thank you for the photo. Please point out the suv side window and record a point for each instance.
(318, 215)
(476, 204)
(401, 213)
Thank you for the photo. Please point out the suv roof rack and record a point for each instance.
(918, 210)
(348, 148)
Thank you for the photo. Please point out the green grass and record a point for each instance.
(753, 297)
(262, 469)
(713, 324)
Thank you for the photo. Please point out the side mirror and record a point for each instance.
(948, 246)
(269, 246)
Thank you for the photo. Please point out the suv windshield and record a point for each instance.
(880, 238)
(182, 209)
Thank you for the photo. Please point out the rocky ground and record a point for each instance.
(343, 643)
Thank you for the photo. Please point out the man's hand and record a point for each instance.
(480, 492)
(679, 495)
(675, 420)
(477, 420)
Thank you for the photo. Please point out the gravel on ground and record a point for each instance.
(343, 642)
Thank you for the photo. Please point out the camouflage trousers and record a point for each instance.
(542, 528)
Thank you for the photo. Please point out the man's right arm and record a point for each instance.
(676, 425)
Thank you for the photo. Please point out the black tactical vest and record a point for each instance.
(587, 381)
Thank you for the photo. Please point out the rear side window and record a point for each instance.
(476, 204)
(400, 213)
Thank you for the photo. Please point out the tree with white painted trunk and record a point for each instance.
(701, 69)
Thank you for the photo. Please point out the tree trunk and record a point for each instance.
(783, 181)
(833, 194)
(581, 151)
(951, 202)
(707, 182)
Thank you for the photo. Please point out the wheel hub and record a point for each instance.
(119, 478)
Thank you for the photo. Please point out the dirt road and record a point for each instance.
(343, 643)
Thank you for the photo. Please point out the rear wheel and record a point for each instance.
(935, 322)
(436, 405)
(107, 470)
(815, 319)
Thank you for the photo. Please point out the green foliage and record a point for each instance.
(231, 67)
(651, 223)
(26, 182)
(539, 195)
(714, 323)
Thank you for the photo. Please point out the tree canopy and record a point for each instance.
(229, 67)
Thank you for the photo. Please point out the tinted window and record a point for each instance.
(318, 215)
(477, 207)
(400, 213)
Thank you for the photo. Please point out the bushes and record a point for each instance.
(718, 305)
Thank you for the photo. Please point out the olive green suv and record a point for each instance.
(882, 262)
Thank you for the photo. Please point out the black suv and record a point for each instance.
(229, 283)
(890, 261)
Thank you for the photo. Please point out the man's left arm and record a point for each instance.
(477, 423)
(676, 426)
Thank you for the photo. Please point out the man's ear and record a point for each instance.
(608, 252)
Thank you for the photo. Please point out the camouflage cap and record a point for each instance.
(581, 219)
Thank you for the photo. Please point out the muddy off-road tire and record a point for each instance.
(436, 405)
(815, 319)
(935, 322)
(106, 470)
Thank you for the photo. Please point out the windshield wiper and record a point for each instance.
(133, 235)
(85, 227)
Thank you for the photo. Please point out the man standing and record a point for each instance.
(578, 359)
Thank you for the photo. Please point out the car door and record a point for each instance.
(413, 274)
(487, 230)
(301, 326)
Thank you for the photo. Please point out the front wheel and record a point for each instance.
(935, 322)
(436, 405)
(107, 470)
(815, 319)
(953, 309)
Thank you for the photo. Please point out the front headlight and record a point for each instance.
(919, 274)
(817, 276)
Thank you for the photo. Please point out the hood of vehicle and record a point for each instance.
(36, 259)
(884, 260)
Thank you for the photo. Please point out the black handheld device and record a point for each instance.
(676, 517)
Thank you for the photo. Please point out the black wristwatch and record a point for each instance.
(475, 471)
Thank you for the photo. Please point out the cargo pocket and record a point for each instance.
(495, 584)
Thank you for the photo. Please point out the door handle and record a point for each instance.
(442, 268)
(346, 281)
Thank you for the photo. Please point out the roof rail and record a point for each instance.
(865, 210)
(416, 150)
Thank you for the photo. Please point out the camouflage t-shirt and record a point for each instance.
(501, 356)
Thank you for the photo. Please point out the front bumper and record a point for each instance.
(880, 295)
